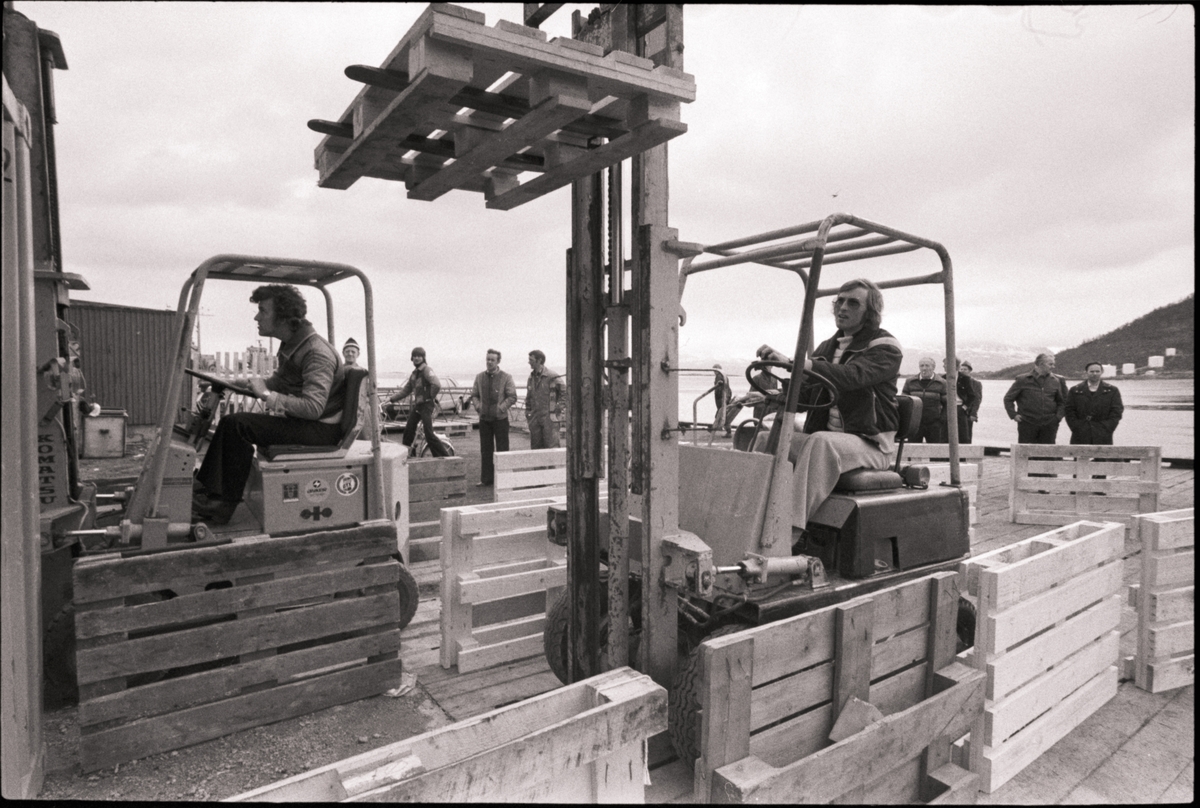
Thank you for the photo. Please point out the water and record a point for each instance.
(1146, 421)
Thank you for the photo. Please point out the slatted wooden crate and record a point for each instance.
(531, 473)
(542, 119)
(500, 572)
(770, 697)
(1166, 601)
(1074, 489)
(433, 483)
(1046, 635)
(922, 453)
(257, 631)
(584, 743)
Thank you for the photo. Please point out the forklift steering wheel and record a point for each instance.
(827, 395)
(220, 384)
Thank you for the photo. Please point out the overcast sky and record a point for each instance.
(1050, 149)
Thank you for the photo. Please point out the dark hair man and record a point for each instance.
(1093, 408)
(492, 394)
(308, 389)
(1037, 402)
(424, 386)
(545, 393)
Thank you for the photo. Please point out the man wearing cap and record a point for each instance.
(544, 395)
(350, 353)
(308, 388)
(970, 414)
(424, 386)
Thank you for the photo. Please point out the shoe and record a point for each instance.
(215, 512)
(483, 485)
(203, 500)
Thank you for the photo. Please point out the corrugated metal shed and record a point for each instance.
(125, 354)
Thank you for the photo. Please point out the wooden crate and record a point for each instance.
(530, 474)
(433, 483)
(500, 573)
(770, 697)
(1072, 491)
(541, 123)
(923, 453)
(1046, 635)
(257, 631)
(1166, 601)
(584, 743)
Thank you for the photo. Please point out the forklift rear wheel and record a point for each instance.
(554, 637)
(409, 595)
(683, 701)
(965, 626)
(58, 660)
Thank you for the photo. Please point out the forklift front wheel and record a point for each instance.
(965, 626)
(683, 701)
(554, 636)
(409, 594)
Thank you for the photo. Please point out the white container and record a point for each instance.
(104, 434)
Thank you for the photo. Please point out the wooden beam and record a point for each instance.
(538, 13)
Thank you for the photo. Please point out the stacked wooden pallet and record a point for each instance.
(771, 697)
(179, 647)
(500, 573)
(1046, 635)
(542, 118)
(923, 453)
(433, 483)
(530, 474)
(1165, 599)
(1057, 485)
(584, 743)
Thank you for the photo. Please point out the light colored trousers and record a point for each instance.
(820, 458)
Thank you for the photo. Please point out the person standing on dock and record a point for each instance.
(1037, 401)
(350, 353)
(424, 386)
(492, 395)
(931, 389)
(967, 419)
(544, 395)
(968, 399)
(1093, 409)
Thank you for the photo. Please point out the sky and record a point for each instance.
(1050, 149)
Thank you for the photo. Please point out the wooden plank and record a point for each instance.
(1173, 605)
(870, 754)
(725, 704)
(530, 459)
(854, 640)
(174, 694)
(1163, 675)
(790, 740)
(519, 494)
(1016, 667)
(1042, 570)
(1000, 765)
(104, 578)
(138, 739)
(219, 602)
(1013, 625)
(1171, 571)
(791, 695)
(473, 657)
(506, 586)
(225, 640)
(436, 468)
(516, 545)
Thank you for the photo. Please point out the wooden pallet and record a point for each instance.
(1046, 635)
(582, 743)
(530, 474)
(257, 631)
(540, 120)
(923, 453)
(500, 572)
(433, 483)
(772, 695)
(1166, 601)
(1073, 490)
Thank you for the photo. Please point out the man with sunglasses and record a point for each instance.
(862, 361)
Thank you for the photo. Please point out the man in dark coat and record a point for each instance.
(931, 389)
(1037, 401)
(967, 419)
(1093, 409)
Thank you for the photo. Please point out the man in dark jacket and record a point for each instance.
(492, 395)
(931, 389)
(1093, 409)
(424, 386)
(308, 390)
(968, 415)
(862, 361)
(1037, 401)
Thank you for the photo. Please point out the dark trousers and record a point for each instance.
(493, 437)
(965, 425)
(423, 412)
(930, 432)
(1037, 433)
(226, 465)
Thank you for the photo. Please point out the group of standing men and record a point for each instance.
(492, 395)
(931, 389)
(1039, 401)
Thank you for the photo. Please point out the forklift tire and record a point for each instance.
(409, 595)
(58, 660)
(965, 625)
(554, 636)
(683, 702)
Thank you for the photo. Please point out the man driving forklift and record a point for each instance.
(862, 361)
(308, 388)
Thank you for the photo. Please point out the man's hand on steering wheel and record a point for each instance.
(811, 380)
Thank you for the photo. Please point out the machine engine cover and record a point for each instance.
(902, 528)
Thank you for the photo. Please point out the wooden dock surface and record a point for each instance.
(1139, 747)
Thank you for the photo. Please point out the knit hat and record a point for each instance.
(351, 343)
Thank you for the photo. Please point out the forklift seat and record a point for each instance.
(350, 427)
(887, 479)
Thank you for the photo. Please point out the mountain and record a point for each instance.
(1171, 326)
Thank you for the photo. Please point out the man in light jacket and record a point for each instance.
(492, 395)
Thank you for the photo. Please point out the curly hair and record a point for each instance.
(290, 306)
